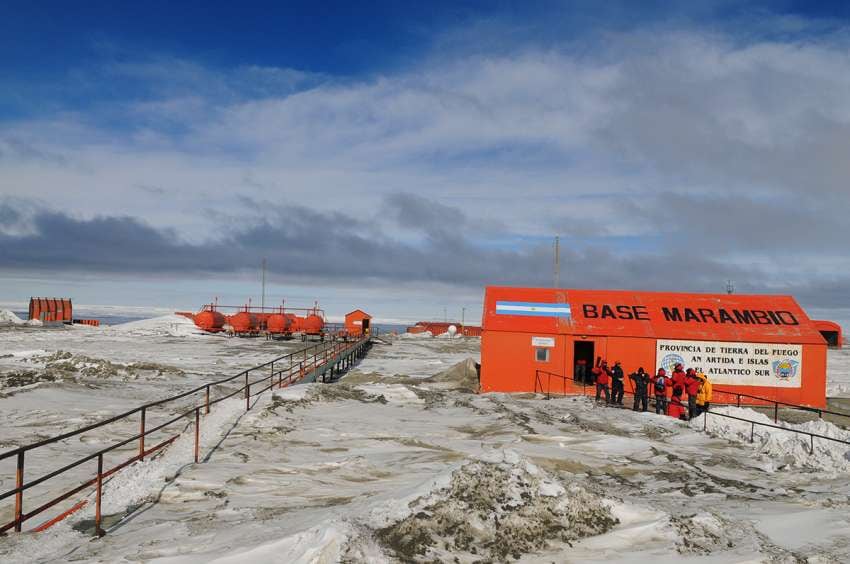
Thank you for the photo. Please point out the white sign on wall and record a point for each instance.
(738, 364)
(548, 342)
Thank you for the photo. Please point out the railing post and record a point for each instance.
(247, 392)
(99, 497)
(207, 400)
(19, 497)
(775, 412)
(197, 433)
(142, 435)
(704, 420)
(812, 447)
(739, 400)
(752, 432)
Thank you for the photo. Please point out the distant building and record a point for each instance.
(48, 310)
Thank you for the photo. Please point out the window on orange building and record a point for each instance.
(542, 354)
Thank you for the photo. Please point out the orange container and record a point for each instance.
(278, 323)
(313, 324)
(244, 322)
(209, 320)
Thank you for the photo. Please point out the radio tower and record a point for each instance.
(263, 292)
(557, 265)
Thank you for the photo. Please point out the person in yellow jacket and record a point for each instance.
(704, 393)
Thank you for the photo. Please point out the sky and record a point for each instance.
(402, 156)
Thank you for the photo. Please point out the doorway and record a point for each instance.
(365, 326)
(583, 358)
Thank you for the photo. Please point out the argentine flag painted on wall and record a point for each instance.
(535, 309)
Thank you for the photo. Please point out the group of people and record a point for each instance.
(690, 391)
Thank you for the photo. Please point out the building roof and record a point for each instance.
(662, 315)
(360, 311)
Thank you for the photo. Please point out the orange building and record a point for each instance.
(51, 309)
(357, 322)
(760, 345)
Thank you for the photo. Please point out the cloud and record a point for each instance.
(669, 158)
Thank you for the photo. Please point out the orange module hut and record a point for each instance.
(760, 345)
(357, 322)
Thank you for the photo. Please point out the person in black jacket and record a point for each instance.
(617, 385)
(640, 380)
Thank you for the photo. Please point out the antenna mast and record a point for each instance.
(263, 298)
(730, 287)
(557, 266)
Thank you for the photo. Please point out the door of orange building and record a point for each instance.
(586, 352)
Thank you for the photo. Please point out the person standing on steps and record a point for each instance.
(618, 387)
(704, 394)
(640, 381)
(603, 379)
(660, 382)
(692, 385)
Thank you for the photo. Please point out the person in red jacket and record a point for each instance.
(678, 379)
(692, 384)
(660, 382)
(603, 379)
(677, 408)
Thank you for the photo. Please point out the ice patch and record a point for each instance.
(165, 326)
(392, 393)
(297, 392)
(423, 335)
(319, 545)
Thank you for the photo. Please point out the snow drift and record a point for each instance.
(781, 448)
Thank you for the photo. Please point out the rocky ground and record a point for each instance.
(400, 462)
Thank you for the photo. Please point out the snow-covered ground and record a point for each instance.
(399, 462)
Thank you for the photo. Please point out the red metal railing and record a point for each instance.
(538, 385)
(281, 372)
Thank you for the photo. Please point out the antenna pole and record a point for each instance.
(263, 295)
(557, 269)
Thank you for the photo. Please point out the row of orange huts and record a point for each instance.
(280, 320)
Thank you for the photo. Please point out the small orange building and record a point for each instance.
(760, 345)
(51, 309)
(357, 322)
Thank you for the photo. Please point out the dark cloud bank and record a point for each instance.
(333, 247)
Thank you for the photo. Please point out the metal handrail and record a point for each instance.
(315, 358)
(776, 403)
(706, 412)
